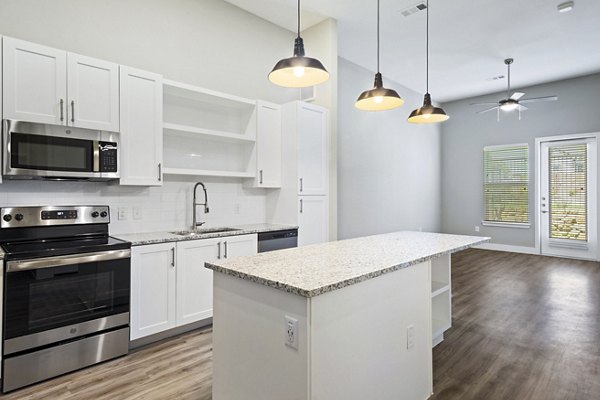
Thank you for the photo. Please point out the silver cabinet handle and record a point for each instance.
(301, 206)
(225, 256)
(62, 110)
(261, 176)
(159, 172)
(219, 254)
(72, 110)
(172, 256)
(301, 185)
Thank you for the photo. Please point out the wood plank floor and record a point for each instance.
(525, 327)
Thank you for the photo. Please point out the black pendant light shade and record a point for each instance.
(428, 113)
(298, 71)
(378, 98)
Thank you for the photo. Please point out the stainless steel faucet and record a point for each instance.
(196, 204)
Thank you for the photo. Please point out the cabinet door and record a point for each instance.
(239, 246)
(268, 144)
(93, 93)
(153, 291)
(141, 127)
(313, 220)
(35, 82)
(194, 282)
(312, 150)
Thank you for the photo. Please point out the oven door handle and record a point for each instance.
(71, 259)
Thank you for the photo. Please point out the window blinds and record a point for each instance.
(568, 191)
(506, 183)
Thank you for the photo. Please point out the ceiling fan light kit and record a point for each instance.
(298, 71)
(427, 114)
(566, 6)
(379, 98)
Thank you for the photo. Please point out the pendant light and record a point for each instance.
(298, 71)
(427, 114)
(378, 98)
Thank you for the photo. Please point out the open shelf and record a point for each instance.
(191, 92)
(438, 288)
(207, 133)
(204, 172)
(440, 326)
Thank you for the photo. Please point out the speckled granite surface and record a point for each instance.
(313, 270)
(1, 254)
(140, 239)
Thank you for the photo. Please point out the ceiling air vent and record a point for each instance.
(414, 9)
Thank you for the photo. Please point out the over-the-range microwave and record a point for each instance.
(55, 152)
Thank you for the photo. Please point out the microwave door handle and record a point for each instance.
(71, 259)
(96, 148)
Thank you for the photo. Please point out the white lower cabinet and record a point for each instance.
(313, 220)
(170, 286)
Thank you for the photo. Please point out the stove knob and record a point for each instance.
(103, 214)
(7, 217)
(95, 214)
(19, 217)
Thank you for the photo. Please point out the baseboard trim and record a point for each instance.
(508, 248)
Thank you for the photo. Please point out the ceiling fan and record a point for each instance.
(512, 102)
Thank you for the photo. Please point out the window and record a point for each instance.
(506, 184)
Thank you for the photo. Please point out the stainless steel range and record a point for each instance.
(66, 291)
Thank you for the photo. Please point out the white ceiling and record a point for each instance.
(468, 40)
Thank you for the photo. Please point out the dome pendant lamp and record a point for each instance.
(298, 71)
(378, 98)
(427, 114)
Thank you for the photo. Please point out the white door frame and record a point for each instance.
(538, 180)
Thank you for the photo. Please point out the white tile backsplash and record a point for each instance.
(162, 208)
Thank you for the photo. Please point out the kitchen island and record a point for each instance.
(352, 319)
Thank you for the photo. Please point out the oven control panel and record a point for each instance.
(20, 217)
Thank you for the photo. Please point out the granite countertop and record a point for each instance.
(140, 239)
(1, 254)
(313, 270)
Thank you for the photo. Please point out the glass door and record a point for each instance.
(568, 198)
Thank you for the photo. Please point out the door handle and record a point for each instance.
(219, 253)
(62, 110)
(159, 172)
(301, 206)
(225, 256)
(72, 110)
(172, 256)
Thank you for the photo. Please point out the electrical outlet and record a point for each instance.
(236, 208)
(420, 229)
(291, 332)
(410, 337)
(476, 228)
(123, 213)
(137, 213)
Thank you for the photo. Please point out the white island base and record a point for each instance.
(352, 342)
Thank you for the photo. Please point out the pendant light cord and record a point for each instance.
(298, 18)
(427, 46)
(377, 36)
(508, 87)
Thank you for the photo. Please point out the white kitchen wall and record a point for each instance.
(162, 208)
(389, 171)
(209, 43)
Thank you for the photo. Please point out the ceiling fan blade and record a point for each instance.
(489, 109)
(534, 99)
(517, 95)
(484, 104)
(523, 108)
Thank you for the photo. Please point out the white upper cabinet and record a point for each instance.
(47, 85)
(312, 150)
(313, 220)
(93, 93)
(268, 145)
(141, 127)
(35, 82)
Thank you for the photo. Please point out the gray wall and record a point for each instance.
(388, 169)
(466, 133)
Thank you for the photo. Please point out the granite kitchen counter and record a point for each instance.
(140, 239)
(309, 271)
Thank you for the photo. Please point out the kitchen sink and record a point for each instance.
(204, 231)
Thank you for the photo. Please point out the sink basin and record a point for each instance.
(204, 231)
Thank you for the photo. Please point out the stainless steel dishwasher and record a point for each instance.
(277, 240)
